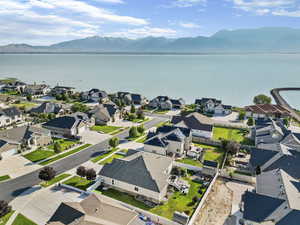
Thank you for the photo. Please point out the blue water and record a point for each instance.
(233, 78)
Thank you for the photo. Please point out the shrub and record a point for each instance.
(141, 129)
(91, 174)
(133, 132)
(47, 173)
(114, 142)
(4, 208)
(57, 148)
(81, 171)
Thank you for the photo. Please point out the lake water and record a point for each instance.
(233, 78)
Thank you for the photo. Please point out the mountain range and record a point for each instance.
(268, 39)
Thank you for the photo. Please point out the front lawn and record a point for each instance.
(64, 143)
(160, 111)
(105, 129)
(79, 182)
(65, 154)
(98, 158)
(231, 134)
(165, 123)
(180, 202)
(38, 155)
(22, 220)
(140, 120)
(5, 177)
(54, 180)
(142, 139)
(4, 219)
(110, 159)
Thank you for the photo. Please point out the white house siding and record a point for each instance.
(9, 153)
(129, 188)
(155, 149)
(4, 121)
(176, 147)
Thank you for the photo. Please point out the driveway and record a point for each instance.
(16, 166)
(231, 119)
(93, 137)
(40, 205)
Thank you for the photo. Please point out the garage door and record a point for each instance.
(9, 153)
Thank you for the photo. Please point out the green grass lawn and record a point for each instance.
(119, 131)
(160, 111)
(5, 177)
(64, 143)
(135, 138)
(142, 139)
(140, 120)
(54, 180)
(179, 202)
(4, 219)
(26, 105)
(213, 153)
(79, 182)
(65, 154)
(98, 158)
(161, 124)
(232, 134)
(22, 220)
(190, 161)
(105, 129)
(123, 197)
(110, 159)
(39, 155)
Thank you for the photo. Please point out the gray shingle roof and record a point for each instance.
(12, 111)
(47, 107)
(260, 156)
(64, 122)
(194, 121)
(292, 218)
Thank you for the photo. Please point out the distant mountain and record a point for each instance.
(275, 39)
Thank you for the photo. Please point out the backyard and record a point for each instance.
(232, 134)
(79, 182)
(105, 129)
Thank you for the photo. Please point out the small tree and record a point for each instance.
(140, 115)
(132, 109)
(81, 171)
(141, 129)
(133, 132)
(57, 147)
(250, 122)
(262, 99)
(91, 174)
(29, 97)
(131, 116)
(114, 142)
(47, 174)
(242, 115)
(4, 208)
(286, 122)
(233, 147)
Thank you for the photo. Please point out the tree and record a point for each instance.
(224, 143)
(133, 132)
(242, 115)
(262, 99)
(132, 109)
(140, 115)
(51, 116)
(286, 122)
(91, 174)
(81, 171)
(79, 107)
(233, 147)
(114, 142)
(57, 147)
(4, 208)
(47, 174)
(29, 97)
(141, 129)
(250, 122)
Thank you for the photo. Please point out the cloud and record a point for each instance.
(185, 3)
(189, 25)
(283, 12)
(110, 1)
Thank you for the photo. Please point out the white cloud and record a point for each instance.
(110, 1)
(283, 12)
(185, 3)
(189, 25)
(37, 3)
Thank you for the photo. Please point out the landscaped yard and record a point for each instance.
(4, 219)
(22, 220)
(64, 143)
(159, 111)
(110, 159)
(65, 154)
(39, 155)
(190, 161)
(161, 124)
(232, 134)
(5, 177)
(105, 129)
(79, 182)
(140, 120)
(26, 105)
(54, 180)
(212, 153)
(142, 139)
(180, 202)
(98, 158)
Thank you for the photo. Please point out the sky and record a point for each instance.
(44, 22)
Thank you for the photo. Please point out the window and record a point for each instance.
(112, 182)
(136, 189)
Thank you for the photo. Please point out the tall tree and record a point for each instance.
(262, 99)
(114, 142)
(250, 122)
(132, 109)
(47, 174)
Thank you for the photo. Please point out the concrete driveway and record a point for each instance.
(40, 205)
(16, 166)
(93, 137)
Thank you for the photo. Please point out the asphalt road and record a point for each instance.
(12, 188)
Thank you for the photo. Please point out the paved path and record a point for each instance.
(12, 188)
(281, 101)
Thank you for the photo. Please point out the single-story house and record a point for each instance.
(94, 210)
(265, 111)
(19, 138)
(141, 174)
(9, 116)
(105, 113)
(95, 95)
(67, 126)
(48, 107)
(200, 125)
(36, 89)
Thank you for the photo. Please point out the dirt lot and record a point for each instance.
(217, 207)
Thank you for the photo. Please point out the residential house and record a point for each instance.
(105, 113)
(66, 126)
(141, 174)
(169, 140)
(201, 126)
(49, 107)
(15, 86)
(129, 98)
(9, 116)
(94, 210)
(161, 102)
(266, 111)
(60, 90)
(95, 95)
(275, 200)
(177, 103)
(20, 138)
(36, 89)
(213, 106)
